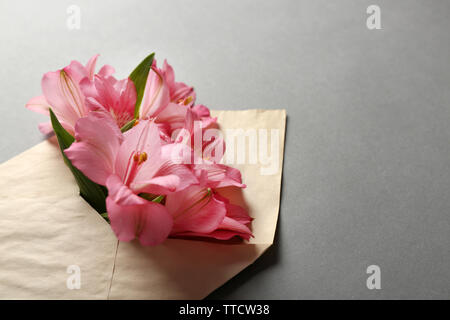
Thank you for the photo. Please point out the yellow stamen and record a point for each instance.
(188, 100)
(142, 157)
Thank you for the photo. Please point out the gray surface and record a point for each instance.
(366, 171)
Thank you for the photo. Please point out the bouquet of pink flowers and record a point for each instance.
(144, 155)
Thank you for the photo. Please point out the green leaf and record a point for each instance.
(139, 78)
(93, 193)
(128, 126)
(105, 216)
(151, 197)
(158, 199)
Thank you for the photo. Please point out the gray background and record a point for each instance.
(367, 158)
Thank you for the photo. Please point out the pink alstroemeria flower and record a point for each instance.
(167, 101)
(62, 93)
(182, 97)
(199, 211)
(118, 97)
(129, 164)
(178, 116)
(205, 157)
(179, 92)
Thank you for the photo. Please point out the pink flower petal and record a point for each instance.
(38, 104)
(174, 115)
(98, 141)
(150, 223)
(234, 223)
(238, 213)
(159, 185)
(195, 210)
(178, 90)
(116, 97)
(127, 100)
(76, 71)
(106, 71)
(121, 194)
(64, 96)
(45, 128)
(167, 176)
(235, 226)
(144, 137)
(156, 95)
(201, 111)
(90, 66)
(220, 175)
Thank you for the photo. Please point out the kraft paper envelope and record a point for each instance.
(49, 234)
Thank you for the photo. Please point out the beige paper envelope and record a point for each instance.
(49, 235)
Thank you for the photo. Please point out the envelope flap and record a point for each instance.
(48, 230)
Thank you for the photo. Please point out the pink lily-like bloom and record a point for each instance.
(183, 95)
(179, 92)
(167, 101)
(199, 211)
(129, 164)
(62, 93)
(205, 156)
(118, 97)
